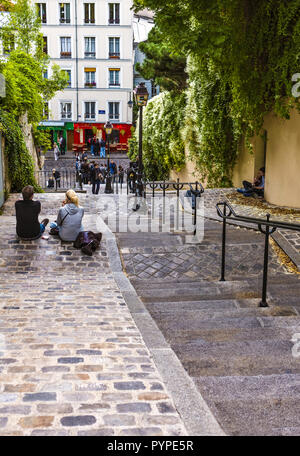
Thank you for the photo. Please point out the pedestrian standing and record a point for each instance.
(121, 174)
(102, 148)
(97, 147)
(56, 151)
(56, 176)
(85, 171)
(95, 179)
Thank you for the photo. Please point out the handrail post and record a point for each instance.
(263, 302)
(223, 246)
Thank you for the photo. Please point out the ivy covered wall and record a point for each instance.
(242, 56)
(163, 146)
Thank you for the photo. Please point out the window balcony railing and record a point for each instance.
(114, 55)
(114, 116)
(90, 84)
(89, 21)
(89, 116)
(90, 55)
(114, 84)
(114, 21)
(66, 115)
(66, 55)
(64, 21)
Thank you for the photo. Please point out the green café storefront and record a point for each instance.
(57, 129)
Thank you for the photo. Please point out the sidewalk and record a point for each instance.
(72, 361)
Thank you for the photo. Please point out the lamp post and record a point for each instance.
(141, 97)
(108, 130)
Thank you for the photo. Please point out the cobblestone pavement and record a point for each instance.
(72, 361)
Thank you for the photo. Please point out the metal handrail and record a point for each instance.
(270, 227)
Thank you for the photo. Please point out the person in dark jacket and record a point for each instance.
(56, 176)
(121, 174)
(97, 147)
(96, 179)
(85, 171)
(131, 177)
(27, 215)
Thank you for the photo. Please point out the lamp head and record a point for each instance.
(141, 94)
(108, 128)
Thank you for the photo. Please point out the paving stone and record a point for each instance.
(129, 385)
(81, 420)
(119, 420)
(3, 422)
(39, 397)
(97, 433)
(151, 431)
(36, 421)
(134, 407)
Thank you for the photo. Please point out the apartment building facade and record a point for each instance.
(93, 42)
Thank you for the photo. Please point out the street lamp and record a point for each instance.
(108, 130)
(141, 97)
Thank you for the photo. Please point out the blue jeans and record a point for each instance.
(102, 152)
(92, 149)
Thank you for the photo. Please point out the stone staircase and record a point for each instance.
(238, 355)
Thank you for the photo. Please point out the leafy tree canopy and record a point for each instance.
(162, 65)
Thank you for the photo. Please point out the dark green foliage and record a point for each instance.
(162, 65)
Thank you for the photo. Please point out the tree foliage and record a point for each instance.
(163, 147)
(162, 65)
(26, 88)
(244, 54)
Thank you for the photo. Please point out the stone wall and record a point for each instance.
(29, 141)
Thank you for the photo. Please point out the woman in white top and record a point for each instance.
(56, 151)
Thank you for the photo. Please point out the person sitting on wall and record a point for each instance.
(27, 214)
(256, 188)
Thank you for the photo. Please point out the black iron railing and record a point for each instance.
(195, 188)
(226, 212)
(64, 180)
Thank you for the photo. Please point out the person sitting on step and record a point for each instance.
(256, 188)
(69, 220)
(27, 214)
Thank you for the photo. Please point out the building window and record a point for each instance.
(46, 111)
(69, 77)
(41, 8)
(114, 77)
(45, 45)
(89, 13)
(45, 74)
(114, 48)
(65, 48)
(8, 43)
(154, 89)
(114, 13)
(90, 77)
(66, 110)
(90, 110)
(89, 48)
(64, 13)
(114, 110)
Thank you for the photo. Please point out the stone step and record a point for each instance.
(197, 314)
(240, 364)
(284, 279)
(271, 417)
(173, 323)
(226, 335)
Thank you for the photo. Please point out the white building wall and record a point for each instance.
(101, 30)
